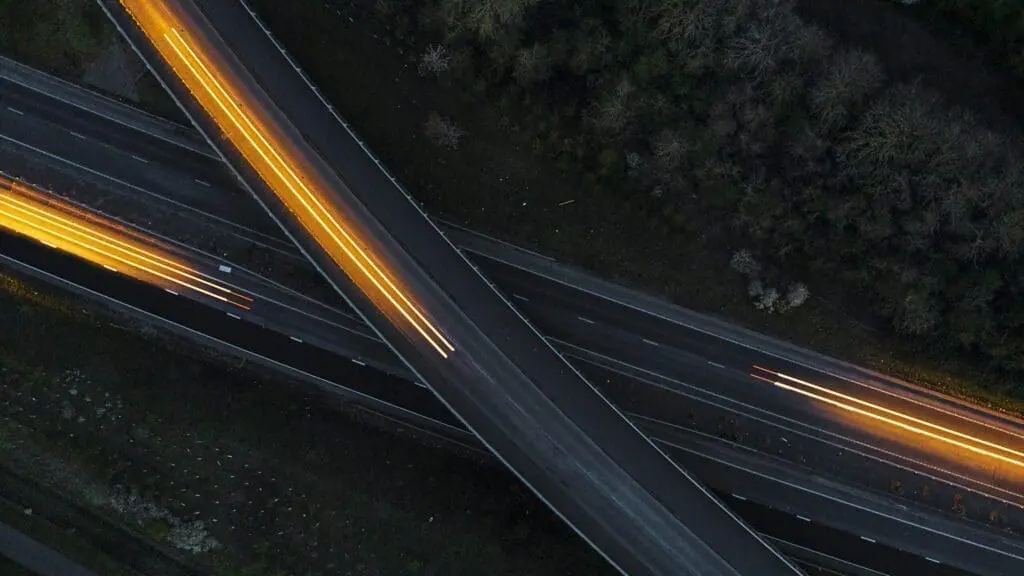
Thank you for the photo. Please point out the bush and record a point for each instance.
(443, 131)
(434, 61)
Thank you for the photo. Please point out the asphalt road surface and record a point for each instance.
(504, 381)
(584, 316)
(600, 321)
(819, 523)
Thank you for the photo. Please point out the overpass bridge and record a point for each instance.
(442, 318)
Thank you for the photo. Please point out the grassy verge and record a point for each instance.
(117, 421)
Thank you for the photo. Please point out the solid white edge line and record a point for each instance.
(762, 415)
(95, 112)
(850, 504)
(238, 349)
(725, 509)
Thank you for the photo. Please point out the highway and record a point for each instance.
(37, 557)
(732, 474)
(603, 319)
(803, 512)
(448, 324)
(598, 321)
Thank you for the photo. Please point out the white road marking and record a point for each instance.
(852, 505)
(797, 427)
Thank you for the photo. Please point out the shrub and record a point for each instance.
(443, 131)
(434, 61)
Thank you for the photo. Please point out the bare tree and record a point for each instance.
(443, 131)
(613, 113)
(767, 43)
(591, 47)
(485, 18)
(916, 314)
(669, 148)
(851, 77)
(532, 65)
(434, 61)
(743, 262)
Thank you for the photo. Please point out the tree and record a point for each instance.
(443, 131)
(532, 65)
(434, 61)
(917, 313)
(851, 78)
(613, 114)
(591, 47)
(777, 36)
(669, 149)
(485, 18)
(743, 262)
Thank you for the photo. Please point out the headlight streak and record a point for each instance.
(892, 417)
(93, 239)
(271, 164)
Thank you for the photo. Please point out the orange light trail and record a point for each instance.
(267, 153)
(66, 228)
(894, 418)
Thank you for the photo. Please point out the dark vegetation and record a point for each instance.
(60, 36)
(742, 113)
(998, 25)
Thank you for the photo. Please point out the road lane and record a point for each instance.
(542, 298)
(555, 431)
(210, 326)
(532, 278)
